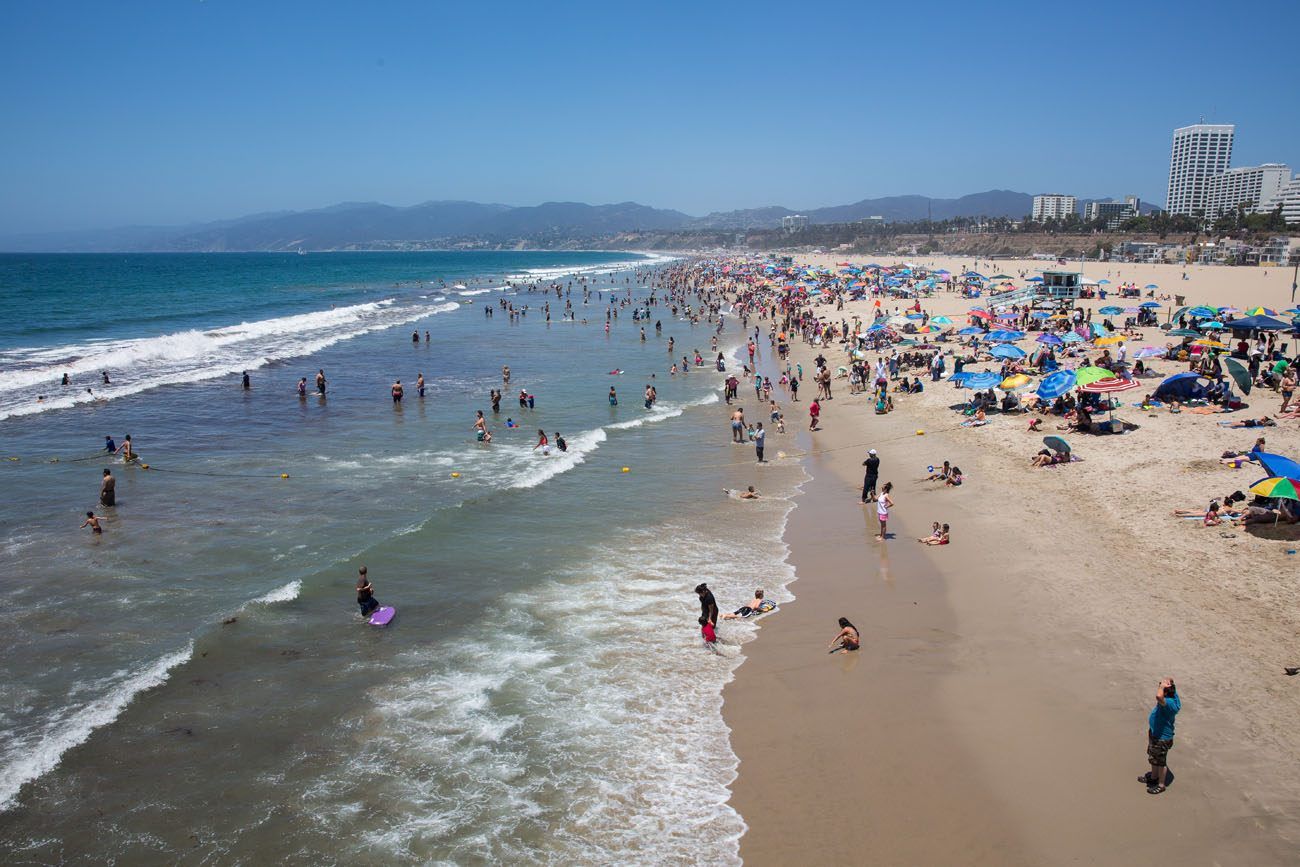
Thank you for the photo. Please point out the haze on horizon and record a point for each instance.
(164, 113)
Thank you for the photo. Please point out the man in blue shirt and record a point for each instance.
(1160, 735)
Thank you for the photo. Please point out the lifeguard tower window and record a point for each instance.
(1062, 284)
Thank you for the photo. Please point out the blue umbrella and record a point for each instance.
(1050, 340)
(982, 380)
(1006, 350)
(1111, 311)
(960, 376)
(1071, 337)
(1210, 325)
(1005, 336)
(1276, 465)
(971, 329)
(1103, 282)
(1150, 304)
(1151, 286)
(1034, 280)
(915, 315)
(1055, 384)
(1040, 314)
(1202, 312)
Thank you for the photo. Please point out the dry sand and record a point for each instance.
(996, 712)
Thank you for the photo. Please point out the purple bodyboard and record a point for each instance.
(383, 616)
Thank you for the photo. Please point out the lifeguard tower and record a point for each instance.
(1061, 285)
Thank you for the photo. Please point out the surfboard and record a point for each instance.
(383, 616)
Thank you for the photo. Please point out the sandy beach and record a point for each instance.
(997, 710)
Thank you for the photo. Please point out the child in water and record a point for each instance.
(366, 594)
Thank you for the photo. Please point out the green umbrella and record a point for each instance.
(1239, 374)
(1184, 332)
(1089, 375)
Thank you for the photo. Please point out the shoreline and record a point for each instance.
(1041, 700)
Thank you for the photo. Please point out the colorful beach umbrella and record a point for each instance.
(1148, 352)
(1150, 305)
(982, 380)
(1111, 310)
(940, 320)
(971, 329)
(1015, 382)
(981, 314)
(1005, 335)
(1210, 344)
(1202, 312)
(1050, 340)
(1109, 385)
(1089, 375)
(1006, 350)
(1285, 488)
(1184, 332)
(1071, 337)
(1108, 341)
(1055, 384)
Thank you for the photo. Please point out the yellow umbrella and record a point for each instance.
(1108, 341)
(1210, 344)
(1015, 382)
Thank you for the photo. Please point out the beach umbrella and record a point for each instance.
(1281, 487)
(915, 315)
(981, 314)
(1050, 340)
(1150, 305)
(982, 380)
(971, 329)
(1211, 326)
(1210, 343)
(1040, 314)
(1006, 350)
(1097, 329)
(1015, 382)
(940, 320)
(1260, 311)
(960, 376)
(1055, 384)
(1071, 337)
(1108, 341)
(1034, 280)
(1277, 465)
(1148, 352)
(1184, 332)
(1089, 375)
(1103, 282)
(1005, 335)
(1229, 309)
(1111, 310)
(1257, 322)
(1201, 312)
(1057, 444)
(1001, 277)
(1151, 286)
(1109, 385)
(1239, 373)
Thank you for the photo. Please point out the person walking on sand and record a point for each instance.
(814, 413)
(883, 504)
(760, 436)
(108, 489)
(1160, 736)
(738, 425)
(872, 463)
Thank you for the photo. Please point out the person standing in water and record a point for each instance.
(92, 521)
(883, 504)
(760, 437)
(246, 382)
(495, 397)
(366, 593)
(613, 396)
(397, 391)
(872, 463)
(542, 442)
(480, 426)
(505, 374)
(320, 382)
(302, 387)
(419, 383)
(108, 489)
(127, 449)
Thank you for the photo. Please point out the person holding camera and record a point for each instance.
(1160, 736)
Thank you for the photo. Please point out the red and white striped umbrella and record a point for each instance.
(1110, 385)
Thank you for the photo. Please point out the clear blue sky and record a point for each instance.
(174, 111)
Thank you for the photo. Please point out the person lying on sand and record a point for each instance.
(1264, 421)
(847, 639)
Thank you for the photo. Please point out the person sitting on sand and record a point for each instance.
(935, 531)
(978, 421)
(955, 478)
(1034, 425)
(1263, 515)
(847, 639)
(941, 474)
(1212, 518)
(941, 539)
(746, 610)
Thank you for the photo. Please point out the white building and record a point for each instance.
(794, 223)
(1114, 213)
(1054, 206)
(1256, 187)
(1289, 198)
(1200, 152)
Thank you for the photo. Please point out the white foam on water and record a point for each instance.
(577, 723)
(143, 363)
(287, 593)
(25, 758)
(538, 275)
(475, 291)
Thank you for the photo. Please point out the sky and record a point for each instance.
(178, 111)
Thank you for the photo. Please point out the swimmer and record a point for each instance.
(480, 426)
(505, 374)
(510, 423)
(109, 446)
(748, 494)
(747, 610)
(127, 450)
(92, 521)
(108, 489)
(560, 443)
(302, 387)
(542, 442)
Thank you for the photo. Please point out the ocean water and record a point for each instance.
(195, 686)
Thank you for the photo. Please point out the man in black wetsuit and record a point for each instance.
(872, 463)
(708, 605)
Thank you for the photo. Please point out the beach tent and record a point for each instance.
(1181, 386)
(1258, 323)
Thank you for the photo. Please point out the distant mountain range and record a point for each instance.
(367, 225)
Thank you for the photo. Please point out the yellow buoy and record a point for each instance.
(920, 433)
(627, 469)
(144, 466)
(455, 475)
(284, 475)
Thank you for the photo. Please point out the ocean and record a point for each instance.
(196, 685)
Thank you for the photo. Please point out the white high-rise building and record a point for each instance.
(1053, 206)
(1289, 199)
(1200, 152)
(1256, 187)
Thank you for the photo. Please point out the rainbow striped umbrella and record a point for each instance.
(1280, 486)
